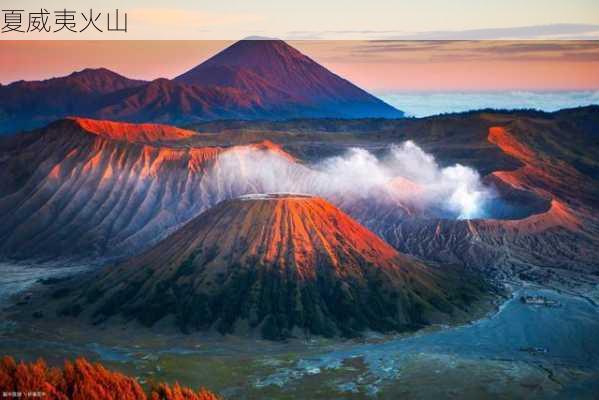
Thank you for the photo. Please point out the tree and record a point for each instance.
(82, 380)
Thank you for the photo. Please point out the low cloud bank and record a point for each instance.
(427, 104)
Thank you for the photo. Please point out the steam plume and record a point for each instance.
(405, 175)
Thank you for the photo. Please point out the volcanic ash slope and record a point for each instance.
(276, 265)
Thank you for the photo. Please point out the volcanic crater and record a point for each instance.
(276, 265)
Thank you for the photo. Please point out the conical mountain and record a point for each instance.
(277, 266)
(274, 70)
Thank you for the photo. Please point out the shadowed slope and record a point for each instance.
(560, 233)
(280, 74)
(97, 188)
(283, 265)
(249, 80)
(28, 105)
(172, 102)
(68, 192)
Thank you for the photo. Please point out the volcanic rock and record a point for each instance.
(279, 265)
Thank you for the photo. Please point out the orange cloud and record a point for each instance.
(423, 65)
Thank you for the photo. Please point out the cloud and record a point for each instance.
(340, 34)
(191, 18)
(439, 51)
(552, 31)
(536, 32)
(426, 104)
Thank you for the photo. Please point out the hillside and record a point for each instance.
(277, 266)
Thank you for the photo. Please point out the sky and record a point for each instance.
(335, 19)
(383, 46)
(378, 66)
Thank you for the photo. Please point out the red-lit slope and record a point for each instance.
(558, 229)
(536, 176)
(97, 188)
(282, 264)
(540, 173)
(134, 133)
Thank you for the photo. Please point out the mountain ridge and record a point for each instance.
(64, 188)
(219, 88)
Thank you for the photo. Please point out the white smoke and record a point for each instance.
(404, 175)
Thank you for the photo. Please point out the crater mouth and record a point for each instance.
(510, 203)
(275, 196)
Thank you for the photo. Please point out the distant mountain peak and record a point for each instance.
(93, 71)
(252, 54)
(255, 78)
(260, 38)
(285, 70)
